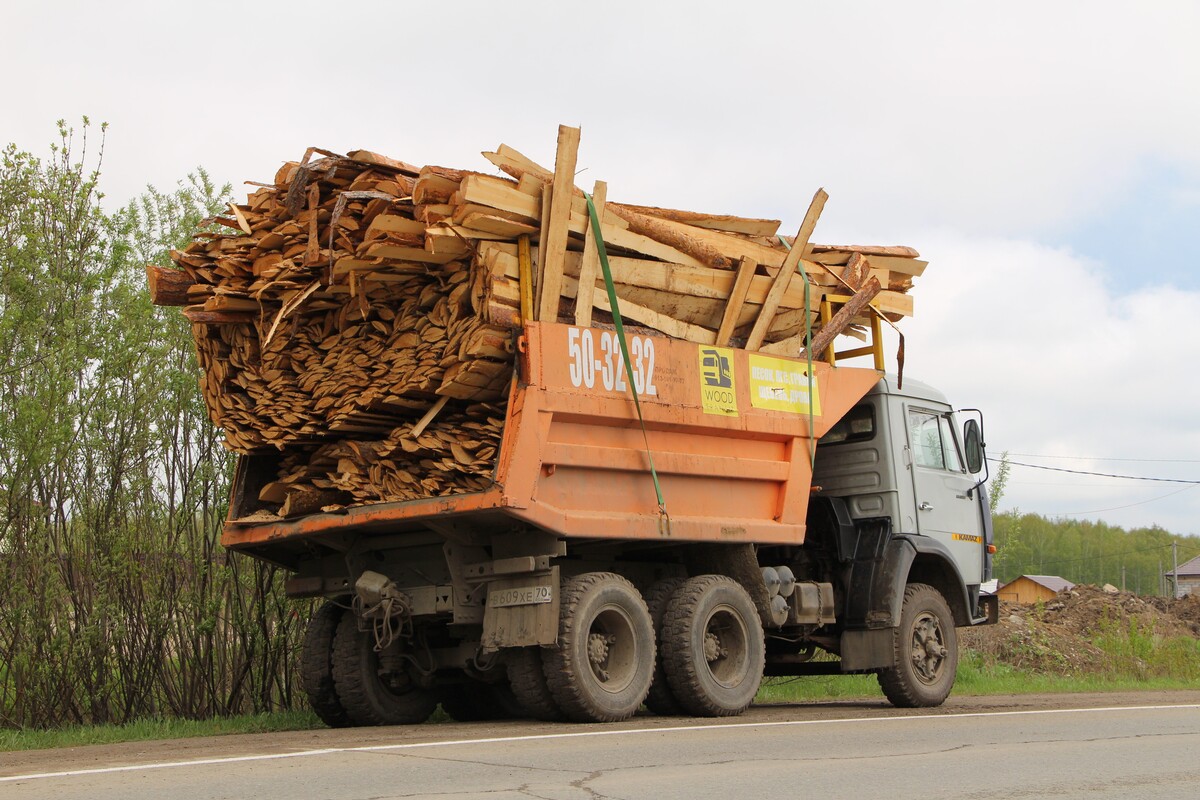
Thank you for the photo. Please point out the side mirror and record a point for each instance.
(973, 444)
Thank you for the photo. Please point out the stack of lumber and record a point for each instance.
(358, 313)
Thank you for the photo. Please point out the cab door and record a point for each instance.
(947, 507)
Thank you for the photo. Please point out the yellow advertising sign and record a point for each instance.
(718, 391)
(782, 385)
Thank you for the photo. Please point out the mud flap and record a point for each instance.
(521, 611)
(863, 650)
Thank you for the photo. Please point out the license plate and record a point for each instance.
(520, 596)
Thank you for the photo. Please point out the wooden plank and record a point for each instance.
(716, 222)
(856, 272)
(168, 287)
(589, 267)
(543, 228)
(501, 194)
(906, 266)
(198, 316)
(525, 277)
(737, 297)
(553, 246)
(502, 226)
(647, 316)
(243, 223)
(697, 281)
(376, 160)
(734, 247)
(423, 423)
(703, 311)
(394, 223)
(675, 235)
(516, 164)
(784, 276)
(867, 250)
(408, 254)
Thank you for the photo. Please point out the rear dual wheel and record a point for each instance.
(316, 665)
(528, 682)
(713, 650)
(602, 666)
(369, 695)
(661, 700)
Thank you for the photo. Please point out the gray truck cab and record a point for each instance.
(904, 455)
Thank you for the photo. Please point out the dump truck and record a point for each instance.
(667, 523)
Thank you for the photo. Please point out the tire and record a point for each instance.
(713, 648)
(528, 683)
(602, 666)
(660, 699)
(925, 651)
(368, 700)
(476, 701)
(316, 665)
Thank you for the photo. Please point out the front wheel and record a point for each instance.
(925, 651)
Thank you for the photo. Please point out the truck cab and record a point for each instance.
(899, 507)
(903, 454)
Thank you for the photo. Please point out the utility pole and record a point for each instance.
(1174, 570)
(1122, 577)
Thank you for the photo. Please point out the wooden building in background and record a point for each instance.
(1029, 589)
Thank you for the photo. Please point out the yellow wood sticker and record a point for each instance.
(782, 385)
(718, 391)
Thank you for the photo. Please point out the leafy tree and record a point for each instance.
(116, 600)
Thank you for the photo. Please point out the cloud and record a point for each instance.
(979, 134)
(1068, 365)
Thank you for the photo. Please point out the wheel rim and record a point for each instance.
(612, 649)
(928, 648)
(725, 647)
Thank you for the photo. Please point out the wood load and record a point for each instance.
(359, 312)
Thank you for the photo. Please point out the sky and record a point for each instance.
(1045, 158)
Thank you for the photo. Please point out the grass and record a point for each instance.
(147, 730)
(1135, 660)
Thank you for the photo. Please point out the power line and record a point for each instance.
(1096, 474)
(1103, 458)
(1118, 508)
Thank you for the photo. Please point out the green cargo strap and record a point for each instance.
(664, 522)
(812, 440)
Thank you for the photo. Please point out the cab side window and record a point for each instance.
(932, 441)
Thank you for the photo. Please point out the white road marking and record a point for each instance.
(574, 735)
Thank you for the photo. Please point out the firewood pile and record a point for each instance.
(358, 313)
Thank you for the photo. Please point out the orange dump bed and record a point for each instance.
(728, 431)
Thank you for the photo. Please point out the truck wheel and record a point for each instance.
(713, 648)
(316, 666)
(661, 700)
(528, 682)
(601, 668)
(367, 697)
(925, 651)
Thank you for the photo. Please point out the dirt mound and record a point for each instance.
(1059, 636)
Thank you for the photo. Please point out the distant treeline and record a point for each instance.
(1087, 552)
(116, 599)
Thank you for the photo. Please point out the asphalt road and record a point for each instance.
(1065, 746)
